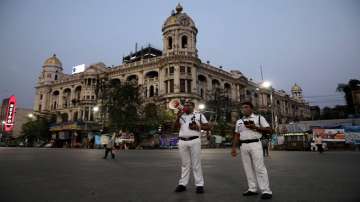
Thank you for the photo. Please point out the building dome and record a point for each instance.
(178, 18)
(53, 60)
(296, 88)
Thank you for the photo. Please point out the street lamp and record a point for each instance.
(96, 109)
(268, 85)
(31, 115)
(201, 107)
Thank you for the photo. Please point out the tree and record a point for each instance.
(151, 118)
(121, 102)
(348, 89)
(221, 106)
(155, 116)
(36, 130)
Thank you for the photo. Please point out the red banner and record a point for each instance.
(10, 114)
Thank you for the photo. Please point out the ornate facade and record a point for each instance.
(176, 71)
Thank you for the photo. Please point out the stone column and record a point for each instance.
(194, 80)
(176, 79)
(208, 85)
(237, 92)
(60, 100)
(233, 92)
(161, 81)
(141, 78)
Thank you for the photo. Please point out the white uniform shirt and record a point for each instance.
(184, 121)
(246, 133)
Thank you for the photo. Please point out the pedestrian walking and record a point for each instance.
(110, 146)
(265, 146)
(318, 142)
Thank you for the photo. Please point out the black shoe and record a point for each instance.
(200, 190)
(266, 196)
(180, 188)
(104, 157)
(250, 193)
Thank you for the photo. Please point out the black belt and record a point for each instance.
(249, 141)
(188, 138)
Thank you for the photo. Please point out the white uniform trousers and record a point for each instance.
(190, 153)
(255, 170)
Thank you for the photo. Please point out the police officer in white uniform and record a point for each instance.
(190, 124)
(249, 129)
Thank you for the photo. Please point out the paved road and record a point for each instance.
(66, 175)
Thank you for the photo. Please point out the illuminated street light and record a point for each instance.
(96, 109)
(31, 115)
(201, 106)
(266, 84)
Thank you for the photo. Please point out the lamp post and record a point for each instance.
(96, 109)
(31, 116)
(201, 107)
(267, 85)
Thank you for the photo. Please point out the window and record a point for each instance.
(189, 86)
(41, 96)
(151, 91)
(201, 93)
(88, 97)
(92, 115)
(189, 70)
(166, 71)
(182, 69)
(171, 70)
(182, 85)
(56, 76)
(75, 118)
(39, 108)
(184, 42)
(92, 97)
(86, 114)
(170, 43)
(166, 87)
(171, 85)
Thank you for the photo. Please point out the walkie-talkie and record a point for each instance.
(192, 123)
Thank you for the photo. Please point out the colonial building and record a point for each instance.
(174, 72)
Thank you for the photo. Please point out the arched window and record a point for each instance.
(151, 91)
(184, 42)
(170, 42)
(75, 117)
(202, 93)
(56, 77)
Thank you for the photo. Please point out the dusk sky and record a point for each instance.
(314, 43)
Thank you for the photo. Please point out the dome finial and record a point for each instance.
(179, 8)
